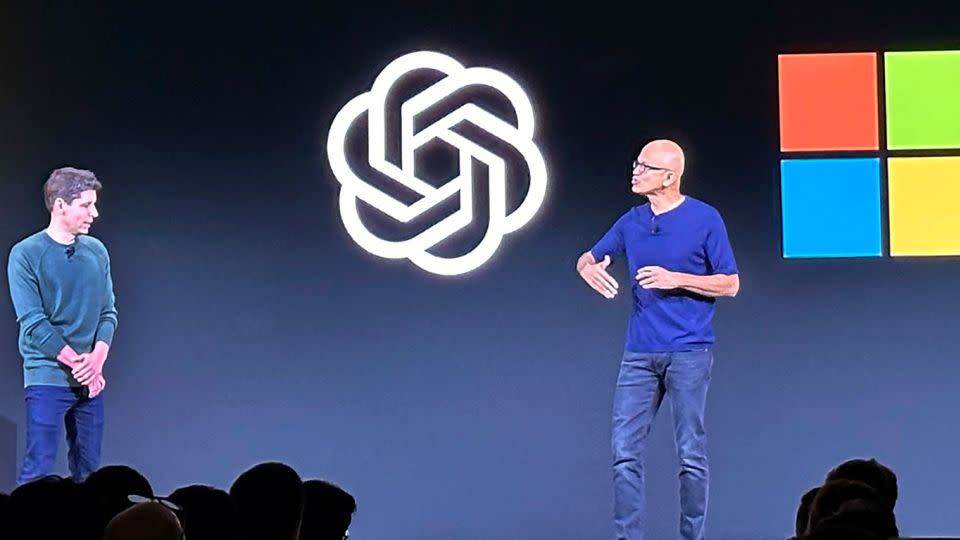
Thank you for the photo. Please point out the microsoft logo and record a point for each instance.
(870, 154)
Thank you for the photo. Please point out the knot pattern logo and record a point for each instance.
(454, 77)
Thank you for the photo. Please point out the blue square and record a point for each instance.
(831, 207)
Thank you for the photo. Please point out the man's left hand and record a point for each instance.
(655, 277)
(91, 365)
(96, 386)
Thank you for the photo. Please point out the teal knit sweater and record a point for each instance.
(62, 295)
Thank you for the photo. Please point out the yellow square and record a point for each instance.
(924, 196)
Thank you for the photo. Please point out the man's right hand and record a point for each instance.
(596, 276)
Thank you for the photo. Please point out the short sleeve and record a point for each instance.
(720, 256)
(611, 243)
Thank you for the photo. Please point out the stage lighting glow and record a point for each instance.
(354, 188)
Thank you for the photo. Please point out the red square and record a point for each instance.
(828, 102)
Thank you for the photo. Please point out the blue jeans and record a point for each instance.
(644, 380)
(47, 408)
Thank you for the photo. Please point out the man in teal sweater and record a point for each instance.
(62, 292)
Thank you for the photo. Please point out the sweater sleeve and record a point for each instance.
(108, 313)
(25, 293)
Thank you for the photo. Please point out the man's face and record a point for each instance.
(78, 215)
(648, 174)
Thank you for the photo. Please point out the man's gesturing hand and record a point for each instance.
(595, 274)
(655, 277)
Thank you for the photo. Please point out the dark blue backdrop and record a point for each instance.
(477, 407)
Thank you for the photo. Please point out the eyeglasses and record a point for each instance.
(644, 167)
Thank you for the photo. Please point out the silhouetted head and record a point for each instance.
(269, 499)
(870, 472)
(832, 496)
(858, 519)
(111, 487)
(210, 512)
(327, 511)
(144, 521)
(803, 511)
(30, 516)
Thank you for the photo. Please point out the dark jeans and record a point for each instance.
(47, 408)
(645, 379)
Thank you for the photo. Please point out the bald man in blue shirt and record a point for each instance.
(679, 254)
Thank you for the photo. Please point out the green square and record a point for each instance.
(923, 99)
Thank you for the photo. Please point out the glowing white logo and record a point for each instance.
(353, 187)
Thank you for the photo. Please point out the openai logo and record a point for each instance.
(448, 81)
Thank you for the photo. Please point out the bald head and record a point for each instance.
(664, 153)
(144, 521)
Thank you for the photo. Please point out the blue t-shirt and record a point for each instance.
(691, 239)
